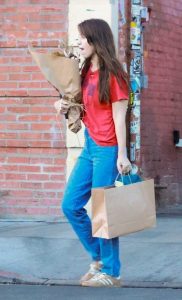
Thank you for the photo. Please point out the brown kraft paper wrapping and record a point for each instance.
(63, 73)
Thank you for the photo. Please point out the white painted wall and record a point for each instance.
(79, 10)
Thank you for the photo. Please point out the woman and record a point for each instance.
(105, 99)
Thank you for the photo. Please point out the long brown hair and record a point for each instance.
(99, 34)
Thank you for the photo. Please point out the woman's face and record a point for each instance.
(86, 50)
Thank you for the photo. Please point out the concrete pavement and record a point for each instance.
(35, 292)
(50, 253)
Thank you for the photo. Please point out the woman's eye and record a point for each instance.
(77, 41)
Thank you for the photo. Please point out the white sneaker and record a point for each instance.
(95, 268)
(102, 280)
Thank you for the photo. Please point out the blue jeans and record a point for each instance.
(95, 167)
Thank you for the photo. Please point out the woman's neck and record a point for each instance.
(94, 62)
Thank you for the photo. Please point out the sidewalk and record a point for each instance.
(50, 253)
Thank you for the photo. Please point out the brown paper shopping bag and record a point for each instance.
(118, 211)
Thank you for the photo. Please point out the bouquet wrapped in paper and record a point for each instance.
(62, 71)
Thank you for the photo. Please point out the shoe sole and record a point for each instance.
(85, 284)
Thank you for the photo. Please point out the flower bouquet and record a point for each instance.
(61, 69)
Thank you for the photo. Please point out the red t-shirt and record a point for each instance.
(98, 117)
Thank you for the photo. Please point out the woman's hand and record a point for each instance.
(123, 165)
(61, 106)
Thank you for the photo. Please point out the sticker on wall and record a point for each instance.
(135, 67)
(136, 22)
(135, 36)
(135, 10)
(133, 24)
(144, 13)
(136, 111)
(136, 47)
(132, 95)
(135, 84)
(135, 127)
(136, 100)
(132, 151)
(136, 1)
(137, 141)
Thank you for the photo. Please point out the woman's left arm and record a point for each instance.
(119, 110)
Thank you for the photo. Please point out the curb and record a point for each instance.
(70, 282)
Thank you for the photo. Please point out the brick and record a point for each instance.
(21, 193)
(21, 76)
(53, 169)
(17, 177)
(4, 60)
(18, 160)
(2, 110)
(17, 126)
(37, 76)
(10, 184)
(52, 202)
(43, 110)
(15, 93)
(52, 185)
(18, 109)
(41, 160)
(46, 118)
(29, 118)
(41, 93)
(17, 143)
(30, 69)
(2, 126)
(27, 169)
(58, 177)
(4, 135)
(3, 77)
(41, 127)
(37, 177)
(10, 69)
(46, 144)
(43, 194)
(2, 176)
(31, 185)
(27, 85)
(8, 85)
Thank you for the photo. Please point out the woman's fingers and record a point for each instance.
(126, 168)
(61, 106)
(123, 165)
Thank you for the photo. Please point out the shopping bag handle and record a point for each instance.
(120, 174)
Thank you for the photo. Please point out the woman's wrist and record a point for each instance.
(122, 153)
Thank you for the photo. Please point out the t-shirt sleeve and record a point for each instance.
(118, 93)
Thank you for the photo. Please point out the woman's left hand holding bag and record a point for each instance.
(123, 165)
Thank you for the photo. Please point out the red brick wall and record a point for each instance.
(161, 102)
(32, 148)
(32, 145)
